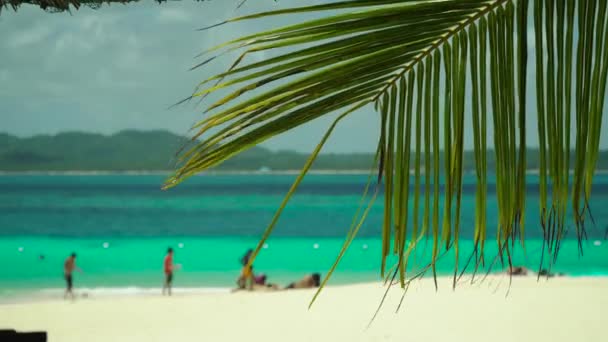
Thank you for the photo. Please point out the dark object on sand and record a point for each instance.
(544, 272)
(14, 336)
(517, 271)
(309, 281)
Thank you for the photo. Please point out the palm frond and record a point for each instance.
(393, 54)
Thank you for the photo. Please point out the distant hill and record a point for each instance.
(132, 150)
(155, 151)
(127, 150)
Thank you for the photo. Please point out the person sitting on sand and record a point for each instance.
(309, 281)
(69, 266)
(246, 278)
(168, 268)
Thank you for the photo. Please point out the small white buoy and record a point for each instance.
(315, 246)
(106, 244)
(180, 245)
(265, 246)
(20, 249)
(364, 246)
(597, 243)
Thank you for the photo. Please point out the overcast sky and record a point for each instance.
(121, 67)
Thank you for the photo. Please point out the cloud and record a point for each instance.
(3, 75)
(106, 79)
(51, 88)
(29, 36)
(70, 42)
(121, 67)
(168, 15)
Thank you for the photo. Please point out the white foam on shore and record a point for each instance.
(134, 291)
(104, 292)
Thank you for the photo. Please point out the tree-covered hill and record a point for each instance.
(156, 150)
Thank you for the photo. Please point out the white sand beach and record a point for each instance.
(560, 309)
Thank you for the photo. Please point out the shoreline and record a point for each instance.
(525, 310)
(55, 294)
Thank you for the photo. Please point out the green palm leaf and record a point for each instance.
(393, 54)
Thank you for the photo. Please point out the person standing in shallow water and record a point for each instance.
(69, 266)
(168, 268)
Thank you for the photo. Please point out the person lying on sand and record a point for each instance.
(309, 281)
(545, 273)
(522, 271)
(259, 284)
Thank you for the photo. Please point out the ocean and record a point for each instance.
(121, 226)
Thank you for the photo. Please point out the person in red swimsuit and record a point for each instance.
(168, 268)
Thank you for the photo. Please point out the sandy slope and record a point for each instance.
(565, 309)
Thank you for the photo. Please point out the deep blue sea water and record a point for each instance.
(121, 225)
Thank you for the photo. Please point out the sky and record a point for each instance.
(123, 66)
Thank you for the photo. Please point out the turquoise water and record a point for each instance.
(121, 226)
